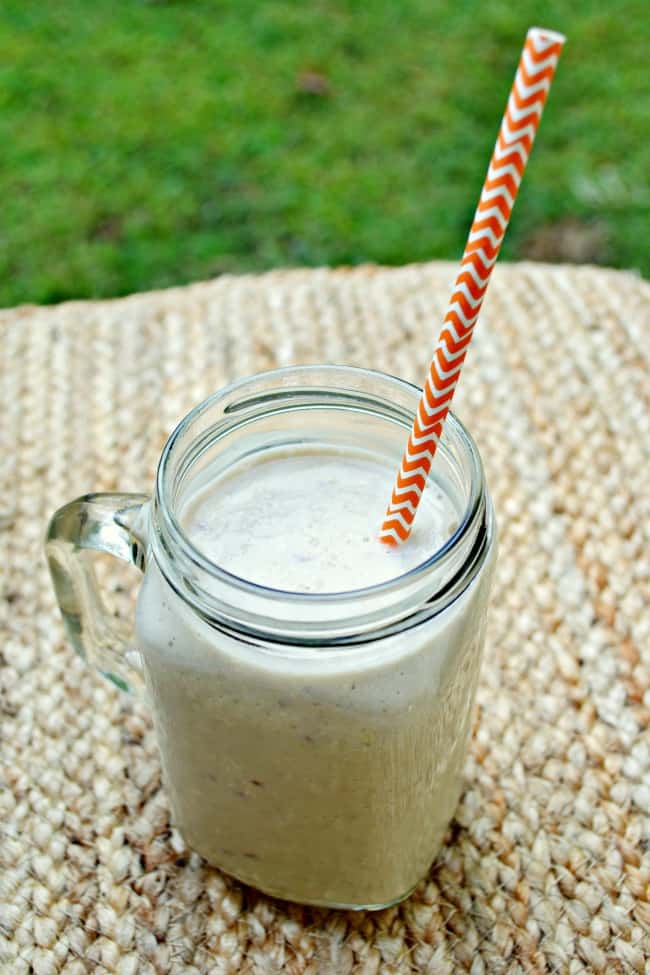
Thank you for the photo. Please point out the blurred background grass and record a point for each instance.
(146, 144)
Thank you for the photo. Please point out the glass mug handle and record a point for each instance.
(112, 523)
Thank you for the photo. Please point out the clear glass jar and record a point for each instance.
(312, 744)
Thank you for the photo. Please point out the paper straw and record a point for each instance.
(518, 129)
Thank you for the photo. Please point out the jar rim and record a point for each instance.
(172, 542)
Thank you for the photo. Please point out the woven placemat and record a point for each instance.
(547, 864)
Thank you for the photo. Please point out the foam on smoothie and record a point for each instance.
(308, 521)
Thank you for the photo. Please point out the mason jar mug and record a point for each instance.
(312, 744)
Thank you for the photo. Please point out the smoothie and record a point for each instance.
(326, 776)
(307, 522)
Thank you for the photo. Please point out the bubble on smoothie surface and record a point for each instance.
(291, 522)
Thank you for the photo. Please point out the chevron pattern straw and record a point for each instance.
(518, 129)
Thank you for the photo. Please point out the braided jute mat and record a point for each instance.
(547, 864)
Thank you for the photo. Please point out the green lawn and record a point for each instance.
(148, 143)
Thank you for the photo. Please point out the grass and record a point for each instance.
(149, 144)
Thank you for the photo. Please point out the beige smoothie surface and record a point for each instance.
(309, 522)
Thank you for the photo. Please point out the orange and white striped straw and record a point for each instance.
(518, 129)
